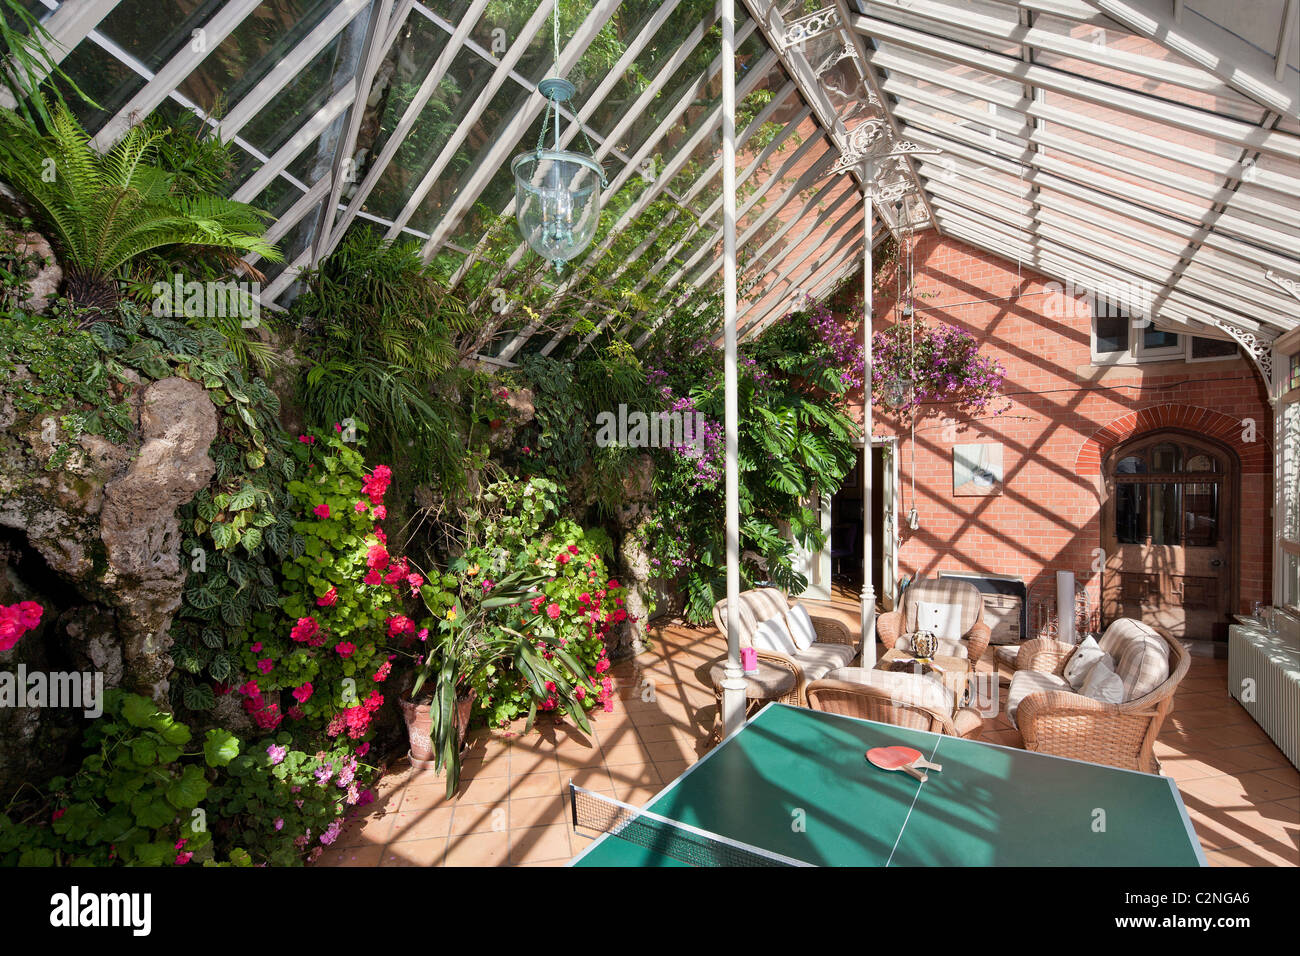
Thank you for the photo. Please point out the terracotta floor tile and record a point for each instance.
(420, 824)
(481, 818)
(589, 778)
(478, 849)
(415, 853)
(535, 785)
(540, 844)
(351, 856)
(496, 765)
(537, 811)
(484, 790)
(1255, 854)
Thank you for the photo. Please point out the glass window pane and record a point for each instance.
(1165, 513)
(1166, 458)
(1290, 475)
(1112, 334)
(1201, 503)
(1153, 338)
(1202, 463)
(1212, 348)
(1130, 517)
(1132, 465)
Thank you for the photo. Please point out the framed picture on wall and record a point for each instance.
(977, 469)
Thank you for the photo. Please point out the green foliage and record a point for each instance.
(377, 330)
(27, 57)
(70, 386)
(137, 798)
(105, 209)
(795, 441)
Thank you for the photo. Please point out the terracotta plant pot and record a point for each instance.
(419, 729)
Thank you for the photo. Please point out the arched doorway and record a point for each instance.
(1168, 531)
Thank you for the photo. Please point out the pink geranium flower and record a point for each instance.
(328, 599)
(345, 648)
(552, 611)
(303, 692)
(266, 665)
(321, 511)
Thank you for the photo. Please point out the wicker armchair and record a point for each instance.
(975, 633)
(901, 699)
(1067, 724)
(836, 645)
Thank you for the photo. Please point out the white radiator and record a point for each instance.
(1264, 677)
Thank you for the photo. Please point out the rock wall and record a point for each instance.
(105, 525)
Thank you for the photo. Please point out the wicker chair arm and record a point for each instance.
(846, 697)
(977, 641)
(831, 631)
(889, 628)
(1071, 725)
(780, 660)
(1044, 654)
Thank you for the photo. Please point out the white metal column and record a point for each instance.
(733, 684)
(868, 585)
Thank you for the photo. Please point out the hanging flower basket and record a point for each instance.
(917, 367)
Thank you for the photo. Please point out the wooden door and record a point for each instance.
(1167, 534)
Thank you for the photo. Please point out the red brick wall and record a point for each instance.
(1066, 414)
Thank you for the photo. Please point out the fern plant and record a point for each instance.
(106, 209)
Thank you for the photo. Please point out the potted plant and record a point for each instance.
(470, 634)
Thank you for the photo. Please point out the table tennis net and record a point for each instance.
(670, 838)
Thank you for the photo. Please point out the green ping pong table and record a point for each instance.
(796, 783)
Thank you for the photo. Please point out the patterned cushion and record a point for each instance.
(947, 648)
(943, 591)
(1031, 682)
(1140, 654)
(820, 659)
(968, 722)
(916, 689)
(1103, 684)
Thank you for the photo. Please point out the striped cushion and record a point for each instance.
(1140, 654)
(944, 591)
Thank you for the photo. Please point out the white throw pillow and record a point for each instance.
(943, 619)
(1103, 683)
(1081, 662)
(773, 636)
(801, 627)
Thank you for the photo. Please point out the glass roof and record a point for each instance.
(1105, 142)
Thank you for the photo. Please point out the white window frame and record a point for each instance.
(1137, 352)
(1285, 471)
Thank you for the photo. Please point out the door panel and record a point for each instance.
(1167, 533)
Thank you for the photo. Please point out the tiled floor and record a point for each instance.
(1240, 791)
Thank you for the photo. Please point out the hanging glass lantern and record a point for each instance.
(557, 192)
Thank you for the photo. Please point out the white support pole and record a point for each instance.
(733, 683)
(868, 512)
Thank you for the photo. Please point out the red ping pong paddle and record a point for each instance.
(914, 758)
(887, 758)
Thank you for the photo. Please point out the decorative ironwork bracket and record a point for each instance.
(1291, 285)
(809, 27)
(1258, 347)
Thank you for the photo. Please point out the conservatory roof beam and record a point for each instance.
(1146, 107)
(428, 86)
(1167, 257)
(897, 63)
(673, 168)
(67, 26)
(1144, 271)
(1112, 158)
(591, 103)
(1085, 211)
(214, 32)
(1241, 65)
(941, 16)
(289, 67)
(507, 140)
(1052, 259)
(252, 187)
(848, 250)
(639, 108)
(1125, 198)
(743, 88)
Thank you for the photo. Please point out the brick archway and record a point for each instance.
(1256, 457)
